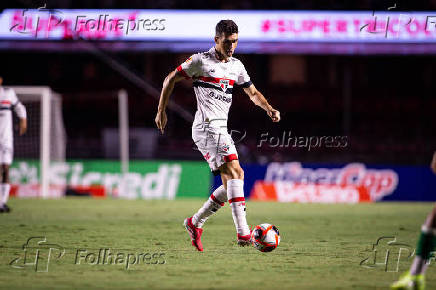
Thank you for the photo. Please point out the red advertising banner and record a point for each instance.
(290, 182)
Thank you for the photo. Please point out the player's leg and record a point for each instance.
(194, 224)
(426, 244)
(2, 210)
(6, 153)
(414, 278)
(232, 176)
(211, 206)
(4, 187)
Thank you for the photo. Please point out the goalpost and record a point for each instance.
(46, 138)
(123, 129)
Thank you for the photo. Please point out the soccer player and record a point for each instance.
(8, 102)
(214, 73)
(414, 278)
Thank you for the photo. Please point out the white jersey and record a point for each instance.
(8, 102)
(213, 86)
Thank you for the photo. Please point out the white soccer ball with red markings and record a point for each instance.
(265, 237)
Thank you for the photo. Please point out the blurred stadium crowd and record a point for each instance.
(385, 105)
(389, 118)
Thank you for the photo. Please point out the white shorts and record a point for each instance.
(6, 154)
(216, 145)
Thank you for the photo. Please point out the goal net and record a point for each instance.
(40, 167)
(45, 139)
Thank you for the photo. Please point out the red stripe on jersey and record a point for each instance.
(180, 69)
(215, 80)
(236, 199)
(216, 200)
(230, 157)
(5, 102)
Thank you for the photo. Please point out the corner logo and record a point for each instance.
(37, 254)
(23, 23)
(387, 253)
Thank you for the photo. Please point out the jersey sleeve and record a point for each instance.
(19, 108)
(13, 97)
(243, 77)
(191, 66)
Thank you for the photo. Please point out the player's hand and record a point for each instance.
(433, 163)
(23, 126)
(274, 115)
(161, 120)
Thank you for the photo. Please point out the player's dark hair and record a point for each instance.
(226, 27)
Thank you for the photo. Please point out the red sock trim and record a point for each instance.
(236, 199)
(216, 200)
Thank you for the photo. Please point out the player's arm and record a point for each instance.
(433, 163)
(167, 89)
(257, 98)
(21, 112)
(23, 126)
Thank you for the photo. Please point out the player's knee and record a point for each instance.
(4, 173)
(241, 173)
(433, 213)
(238, 173)
(232, 172)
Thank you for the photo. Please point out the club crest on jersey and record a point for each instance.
(225, 148)
(224, 84)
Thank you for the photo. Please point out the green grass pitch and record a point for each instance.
(322, 246)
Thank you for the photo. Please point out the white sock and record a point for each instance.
(418, 266)
(211, 206)
(235, 195)
(5, 187)
(1, 194)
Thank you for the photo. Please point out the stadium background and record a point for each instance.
(309, 90)
(380, 100)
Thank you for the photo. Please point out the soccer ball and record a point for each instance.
(265, 237)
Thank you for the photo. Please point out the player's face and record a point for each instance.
(226, 44)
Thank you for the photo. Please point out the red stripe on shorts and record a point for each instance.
(230, 157)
